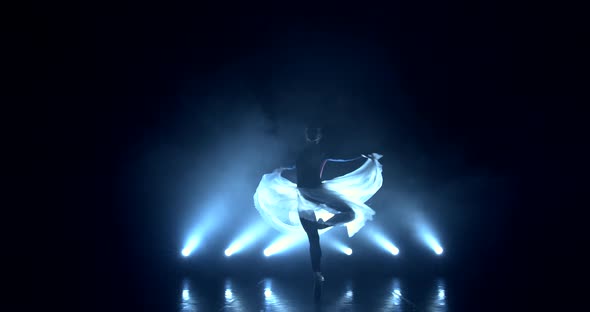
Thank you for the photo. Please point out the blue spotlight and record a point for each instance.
(284, 243)
(427, 236)
(246, 238)
(341, 247)
(191, 245)
(385, 244)
(207, 223)
(288, 241)
(432, 243)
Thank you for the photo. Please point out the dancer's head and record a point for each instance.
(313, 135)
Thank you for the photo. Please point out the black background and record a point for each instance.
(96, 84)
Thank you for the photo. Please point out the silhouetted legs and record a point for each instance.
(314, 243)
(339, 218)
(345, 215)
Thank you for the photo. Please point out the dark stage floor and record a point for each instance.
(300, 293)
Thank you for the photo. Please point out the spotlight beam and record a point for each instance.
(191, 245)
(433, 243)
(283, 244)
(341, 247)
(385, 244)
(246, 238)
(288, 241)
(208, 223)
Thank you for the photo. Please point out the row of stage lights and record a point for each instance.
(287, 242)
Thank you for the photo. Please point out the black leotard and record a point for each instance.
(309, 166)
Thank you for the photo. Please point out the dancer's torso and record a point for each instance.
(309, 165)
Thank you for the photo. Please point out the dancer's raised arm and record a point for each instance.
(345, 160)
(338, 160)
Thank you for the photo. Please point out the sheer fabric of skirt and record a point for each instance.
(280, 202)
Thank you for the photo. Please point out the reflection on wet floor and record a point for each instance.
(283, 294)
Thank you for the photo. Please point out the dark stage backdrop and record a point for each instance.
(143, 108)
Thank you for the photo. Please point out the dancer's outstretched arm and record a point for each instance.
(344, 160)
(338, 160)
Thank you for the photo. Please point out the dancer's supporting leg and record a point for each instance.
(314, 246)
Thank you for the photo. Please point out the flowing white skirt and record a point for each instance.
(279, 201)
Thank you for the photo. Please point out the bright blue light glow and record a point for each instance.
(228, 293)
(284, 243)
(191, 245)
(341, 247)
(393, 302)
(347, 299)
(232, 300)
(288, 241)
(246, 238)
(432, 243)
(207, 222)
(272, 300)
(427, 236)
(441, 296)
(397, 292)
(438, 250)
(397, 296)
(185, 295)
(278, 200)
(385, 243)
